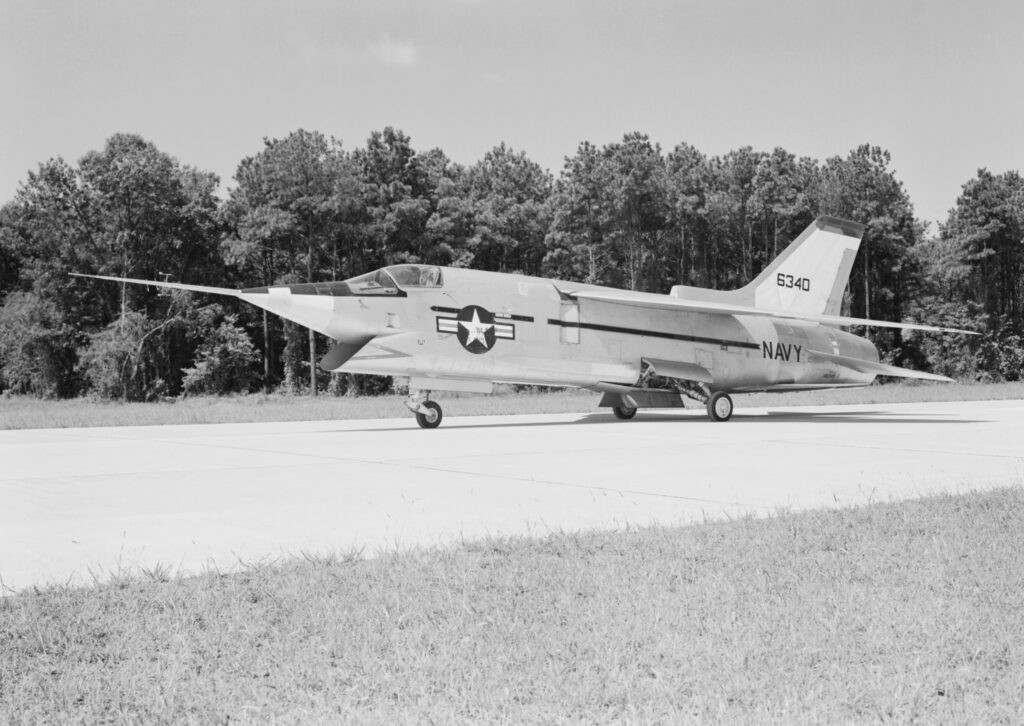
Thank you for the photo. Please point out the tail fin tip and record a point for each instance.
(846, 227)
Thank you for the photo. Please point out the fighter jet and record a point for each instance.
(453, 329)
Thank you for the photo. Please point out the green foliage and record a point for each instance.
(358, 384)
(1002, 355)
(984, 239)
(397, 186)
(125, 359)
(128, 210)
(225, 361)
(150, 215)
(36, 349)
(578, 241)
(973, 277)
(508, 194)
(10, 256)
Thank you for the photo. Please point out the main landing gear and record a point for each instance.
(717, 403)
(719, 406)
(428, 413)
(624, 412)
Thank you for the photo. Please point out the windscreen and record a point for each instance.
(377, 282)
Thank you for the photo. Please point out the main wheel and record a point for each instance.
(624, 412)
(432, 418)
(719, 406)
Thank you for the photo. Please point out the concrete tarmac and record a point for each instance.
(79, 504)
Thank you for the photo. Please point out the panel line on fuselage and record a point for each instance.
(655, 334)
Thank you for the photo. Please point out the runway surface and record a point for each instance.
(78, 503)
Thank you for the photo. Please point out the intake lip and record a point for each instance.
(341, 352)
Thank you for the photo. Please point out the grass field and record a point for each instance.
(23, 412)
(893, 613)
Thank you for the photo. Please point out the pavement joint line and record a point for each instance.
(584, 487)
(409, 465)
(331, 457)
(875, 447)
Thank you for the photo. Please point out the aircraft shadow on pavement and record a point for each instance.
(739, 418)
(855, 417)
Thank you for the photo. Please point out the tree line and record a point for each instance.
(305, 209)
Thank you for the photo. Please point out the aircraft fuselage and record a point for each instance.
(484, 327)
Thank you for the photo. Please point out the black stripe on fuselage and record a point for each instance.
(499, 316)
(655, 334)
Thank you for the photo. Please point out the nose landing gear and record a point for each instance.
(432, 418)
(428, 413)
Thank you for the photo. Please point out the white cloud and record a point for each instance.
(393, 52)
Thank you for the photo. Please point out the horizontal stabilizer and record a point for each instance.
(871, 367)
(665, 302)
(171, 285)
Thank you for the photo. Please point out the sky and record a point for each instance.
(937, 83)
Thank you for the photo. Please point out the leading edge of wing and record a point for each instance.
(878, 369)
(171, 285)
(664, 302)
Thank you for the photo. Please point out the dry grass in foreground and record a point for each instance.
(33, 413)
(894, 613)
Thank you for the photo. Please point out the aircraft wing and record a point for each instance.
(665, 302)
(171, 285)
(878, 369)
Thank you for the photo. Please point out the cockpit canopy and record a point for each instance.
(389, 280)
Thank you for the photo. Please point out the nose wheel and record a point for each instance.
(431, 418)
(719, 406)
(428, 413)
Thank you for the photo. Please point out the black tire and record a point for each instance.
(431, 419)
(719, 406)
(624, 412)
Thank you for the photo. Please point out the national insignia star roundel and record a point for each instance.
(475, 329)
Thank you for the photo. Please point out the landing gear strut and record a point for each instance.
(428, 413)
(719, 406)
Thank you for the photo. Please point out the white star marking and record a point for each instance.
(475, 330)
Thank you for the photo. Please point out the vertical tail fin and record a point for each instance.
(809, 276)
